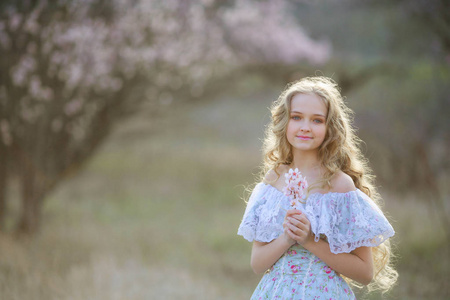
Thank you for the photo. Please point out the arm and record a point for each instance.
(357, 265)
(264, 255)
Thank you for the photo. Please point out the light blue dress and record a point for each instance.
(347, 220)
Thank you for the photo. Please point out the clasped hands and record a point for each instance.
(297, 228)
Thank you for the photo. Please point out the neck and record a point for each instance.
(305, 160)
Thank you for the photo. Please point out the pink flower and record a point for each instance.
(295, 187)
(294, 269)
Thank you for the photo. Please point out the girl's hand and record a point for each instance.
(297, 226)
(287, 224)
(286, 233)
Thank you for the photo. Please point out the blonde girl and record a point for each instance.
(338, 236)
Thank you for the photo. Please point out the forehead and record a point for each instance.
(308, 104)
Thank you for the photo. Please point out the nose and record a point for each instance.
(304, 126)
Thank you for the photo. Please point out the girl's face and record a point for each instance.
(306, 128)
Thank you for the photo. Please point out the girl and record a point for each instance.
(338, 236)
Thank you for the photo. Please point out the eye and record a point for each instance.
(295, 118)
(318, 121)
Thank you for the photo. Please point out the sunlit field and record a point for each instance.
(154, 215)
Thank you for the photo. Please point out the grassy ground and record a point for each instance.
(154, 216)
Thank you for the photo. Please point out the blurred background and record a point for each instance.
(129, 131)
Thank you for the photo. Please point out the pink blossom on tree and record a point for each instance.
(70, 73)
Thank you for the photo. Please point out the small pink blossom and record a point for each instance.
(296, 186)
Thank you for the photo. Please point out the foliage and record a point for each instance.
(394, 69)
(74, 68)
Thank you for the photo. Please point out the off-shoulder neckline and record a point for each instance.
(311, 194)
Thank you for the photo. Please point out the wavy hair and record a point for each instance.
(339, 152)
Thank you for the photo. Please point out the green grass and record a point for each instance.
(154, 215)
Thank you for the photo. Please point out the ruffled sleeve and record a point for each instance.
(348, 220)
(261, 220)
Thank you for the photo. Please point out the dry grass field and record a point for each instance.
(154, 215)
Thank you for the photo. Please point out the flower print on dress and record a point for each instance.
(295, 268)
(334, 216)
(361, 221)
(291, 252)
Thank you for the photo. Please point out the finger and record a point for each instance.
(305, 221)
(298, 223)
(302, 218)
(286, 225)
(295, 222)
(292, 212)
(292, 220)
(297, 218)
(292, 235)
(299, 232)
(290, 232)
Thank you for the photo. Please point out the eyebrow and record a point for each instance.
(298, 112)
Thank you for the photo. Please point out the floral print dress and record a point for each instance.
(347, 220)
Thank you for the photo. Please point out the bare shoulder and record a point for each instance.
(270, 177)
(273, 177)
(342, 183)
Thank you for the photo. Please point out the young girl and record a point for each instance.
(338, 235)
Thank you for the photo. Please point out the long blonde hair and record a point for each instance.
(339, 152)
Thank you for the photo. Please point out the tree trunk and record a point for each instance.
(33, 191)
(3, 185)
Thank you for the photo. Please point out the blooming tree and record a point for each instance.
(72, 69)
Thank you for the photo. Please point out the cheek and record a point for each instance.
(323, 132)
(289, 128)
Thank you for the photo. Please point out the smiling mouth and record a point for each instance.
(302, 137)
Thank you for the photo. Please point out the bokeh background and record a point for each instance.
(130, 130)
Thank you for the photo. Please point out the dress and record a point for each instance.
(348, 221)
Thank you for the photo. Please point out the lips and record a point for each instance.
(304, 137)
